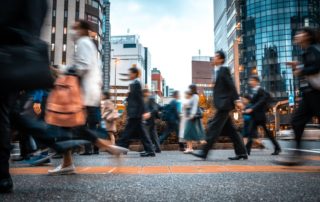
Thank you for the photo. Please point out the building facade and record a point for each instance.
(202, 74)
(127, 51)
(157, 82)
(268, 30)
(106, 45)
(220, 28)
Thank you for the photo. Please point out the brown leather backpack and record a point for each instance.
(65, 104)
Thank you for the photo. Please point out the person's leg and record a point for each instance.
(215, 127)
(168, 130)
(277, 148)
(177, 131)
(124, 138)
(67, 159)
(154, 137)
(112, 137)
(145, 137)
(6, 102)
(252, 129)
(239, 147)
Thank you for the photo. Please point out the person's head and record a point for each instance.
(80, 28)
(193, 89)
(254, 81)
(146, 93)
(106, 95)
(188, 94)
(175, 95)
(134, 73)
(219, 58)
(306, 37)
(246, 99)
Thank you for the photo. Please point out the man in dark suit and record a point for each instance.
(259, 106)
(225, 99)
(136, 114)
(172, 119)
(150, 124)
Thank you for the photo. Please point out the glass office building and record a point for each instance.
(268, 30)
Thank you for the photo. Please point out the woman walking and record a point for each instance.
(109, 115)
(193, 130)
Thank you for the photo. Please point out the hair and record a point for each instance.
(175, 93)
(312, 33)
(145, 90)
(221, 54)
(135, 70)
(85, 25)
(255, 77)
(106, 94)
(193, 89)
(247, 96)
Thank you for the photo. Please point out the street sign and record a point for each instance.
(291, 100)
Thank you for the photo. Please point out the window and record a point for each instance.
(52, 47)
(93, 3)
(54, 12)
(53, 30)
(64, 30)
(92, 19)
(65, 13)
(64, 47)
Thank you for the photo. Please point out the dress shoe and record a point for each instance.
(148, 154)
(290, 160)
(86, 154)
(276, 152)
(199, 154)
(62, 171)
(158, 151)
(6, 185)
(117, 150)
(239, 157)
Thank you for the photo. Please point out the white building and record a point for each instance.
(127, 51)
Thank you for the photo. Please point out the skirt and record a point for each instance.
(194, 130)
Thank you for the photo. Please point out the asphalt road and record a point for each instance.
(221, 186)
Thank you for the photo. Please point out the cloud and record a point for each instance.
(174, 31)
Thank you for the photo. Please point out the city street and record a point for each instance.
(171, 176)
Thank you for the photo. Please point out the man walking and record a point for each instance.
(137, 113)
(225, 99)
(171, 116)
(259, 102)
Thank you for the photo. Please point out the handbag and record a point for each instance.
(25, 64)
(199, 113)
(314, 79)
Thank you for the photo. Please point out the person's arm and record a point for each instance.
(229, 82)
(82, 58)
(194, 107)
(262, 99)
(136, 90)
(313, 65)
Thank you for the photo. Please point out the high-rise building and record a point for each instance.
(127, 51)
(268, 30)
(60, 17)
(106, 45)
(220, 28)
(202, 74)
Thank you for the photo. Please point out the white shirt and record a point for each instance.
(89, 67)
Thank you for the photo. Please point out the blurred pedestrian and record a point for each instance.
(136, 114)
(171, 116)
(193, 131)
(225, 99)
(308, 72)
(109, 115)
(150, 124)
(258, 110)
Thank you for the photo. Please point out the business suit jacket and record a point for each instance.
(136, 107)
(259, 103)
(153, 108)
(225, 93)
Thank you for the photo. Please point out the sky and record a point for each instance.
(173, 30)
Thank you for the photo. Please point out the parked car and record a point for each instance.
(311, 132)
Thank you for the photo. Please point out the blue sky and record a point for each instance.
(173, 30)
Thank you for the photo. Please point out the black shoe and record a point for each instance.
(239, 157)
(86, 154)
(158, 151)
(149, 154)
(199, 154)
(276, 152)
(6, 185)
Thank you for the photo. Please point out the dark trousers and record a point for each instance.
(154, 136)
(6, 105)
(308, 107)
(221, 123)
(171, 127)
(135, 127)
(253, 128)
(93, 123)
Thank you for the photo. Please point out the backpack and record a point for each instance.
(65, 104)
